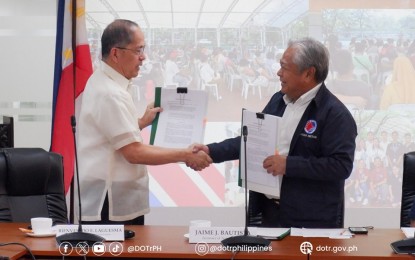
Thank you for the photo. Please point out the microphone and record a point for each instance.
(404, 246)
(245, 240)
(76, 237)
(245, 133)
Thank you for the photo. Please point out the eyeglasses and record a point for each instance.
(138, 51)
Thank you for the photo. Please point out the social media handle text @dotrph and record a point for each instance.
(144, 248)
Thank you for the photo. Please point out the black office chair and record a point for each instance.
(408, 187)
(257, 200)
(31, 185)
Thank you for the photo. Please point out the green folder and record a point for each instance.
(157, 102)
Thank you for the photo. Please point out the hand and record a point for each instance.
(149, 115)
(199, 147)
(275, 164)
(198, 160)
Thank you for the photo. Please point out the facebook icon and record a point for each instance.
(65, 248)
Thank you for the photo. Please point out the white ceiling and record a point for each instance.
(195, 13)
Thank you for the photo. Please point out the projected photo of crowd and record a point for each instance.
(372, 72)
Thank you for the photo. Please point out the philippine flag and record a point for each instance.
(65, 92)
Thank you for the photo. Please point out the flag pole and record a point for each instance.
(72, 196)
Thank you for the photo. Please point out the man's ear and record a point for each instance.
(310, 73)
(114, 55)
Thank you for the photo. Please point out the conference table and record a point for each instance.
(169, 242)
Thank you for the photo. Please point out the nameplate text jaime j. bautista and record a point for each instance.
(215, 234)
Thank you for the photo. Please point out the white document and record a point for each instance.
(261, 142)
(321, 232)
(183, 118)
(408, 231)
(273, 233)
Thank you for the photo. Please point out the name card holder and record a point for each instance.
(108, 232)
(215, 235)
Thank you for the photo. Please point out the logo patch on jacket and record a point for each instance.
(310, 126)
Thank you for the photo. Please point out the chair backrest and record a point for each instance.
(31, 185)
(408, 187)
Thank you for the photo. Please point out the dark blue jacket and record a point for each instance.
(312, 190)
(412, 212)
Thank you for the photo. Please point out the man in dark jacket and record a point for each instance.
(316, 144)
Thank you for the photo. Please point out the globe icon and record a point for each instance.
(306, 248)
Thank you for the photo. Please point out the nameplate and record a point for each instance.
(215, 234)
(108, 232)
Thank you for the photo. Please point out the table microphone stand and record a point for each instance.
(404, 246)
(245, 239)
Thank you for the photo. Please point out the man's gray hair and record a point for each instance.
(116, 34)
(311, 53)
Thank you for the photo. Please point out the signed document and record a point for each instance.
(261, 142)
(182, 121)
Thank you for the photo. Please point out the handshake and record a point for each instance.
(198, 157)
